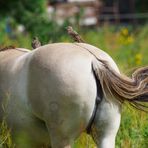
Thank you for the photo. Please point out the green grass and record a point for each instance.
(5, 136)
(129, 48)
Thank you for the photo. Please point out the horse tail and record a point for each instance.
(133, 90)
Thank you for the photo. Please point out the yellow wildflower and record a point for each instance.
(138, 58)
(125, 31)
(130, 39)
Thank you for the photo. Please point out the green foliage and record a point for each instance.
(141, 5)
(5, 136)
(32, 14)
(19, 40)
(8, 7)
(84, 141)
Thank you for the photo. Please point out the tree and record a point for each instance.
(141, 5)
(17, 8)
(32, 14)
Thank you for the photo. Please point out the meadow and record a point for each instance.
(128, 46)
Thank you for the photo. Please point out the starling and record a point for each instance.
(35, 43)
(74, 35)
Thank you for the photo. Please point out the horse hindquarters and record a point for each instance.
(62, 94)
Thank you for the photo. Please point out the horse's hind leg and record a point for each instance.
(58, 139)
(106, 124)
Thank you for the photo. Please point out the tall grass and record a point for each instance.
(129, 48)
(5, 132)
(5, 136)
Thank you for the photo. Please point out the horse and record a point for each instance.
(50, 93)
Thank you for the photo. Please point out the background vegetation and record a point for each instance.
(127, 45)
